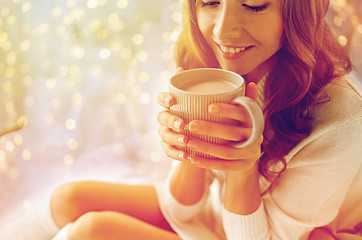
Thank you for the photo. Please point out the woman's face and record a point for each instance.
(243, 34)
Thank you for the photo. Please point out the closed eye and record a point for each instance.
(210, 4)
(255, 8)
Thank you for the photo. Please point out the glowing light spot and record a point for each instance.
(56, 103)
(26, 7)
(11, 58)
(143, 77)
(342, 40)
(70, 124)
(71, 3)
(25, 45)
(145, 98)
(77, 98)
(359, 28)
(174, 35)
(64, 70)
(92, 4)
(74, 70)
(43, 28)
(120, 98)
(51, 83)
(22, 121)
(68, 160)
(137, 39)
(78, 52)
(104, 53)
(26, 154)
(3, 36)
(142, 56)
(72, 144)
(116, 46)
(102, 34)
(176, 17)
(7, 86)
(122, 4)
(18, 139)
(11, 20)
(5, 12)
(9, 146)
(9, 72)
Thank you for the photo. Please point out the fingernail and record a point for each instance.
(214, 108)
(194, 127)
(177, 124)
(181, 140)
(167, 101)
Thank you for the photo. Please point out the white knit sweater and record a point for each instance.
(321, 186)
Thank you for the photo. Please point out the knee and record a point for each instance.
(65, 204)
(91, 225)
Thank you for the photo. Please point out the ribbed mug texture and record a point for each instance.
(194, 106)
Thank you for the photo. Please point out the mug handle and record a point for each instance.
(257, 119)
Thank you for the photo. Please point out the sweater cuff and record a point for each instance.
(242, 227)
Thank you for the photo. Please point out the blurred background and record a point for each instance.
(78, 81)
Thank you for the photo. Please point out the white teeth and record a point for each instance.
(232, 50)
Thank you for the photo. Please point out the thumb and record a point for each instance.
(252, 91)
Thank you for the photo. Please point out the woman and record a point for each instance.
(303, 174)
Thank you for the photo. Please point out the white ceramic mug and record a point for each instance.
(194, 90)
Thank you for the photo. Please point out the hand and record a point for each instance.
(228, 157)
(172, 128)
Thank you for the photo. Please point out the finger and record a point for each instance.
(252, 91)
(172, 138)
(173, 152)
(224, 151)
(219, 130)
(165, 118)
(165, 99)
(231, 111)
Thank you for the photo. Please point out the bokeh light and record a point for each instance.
(73, 72)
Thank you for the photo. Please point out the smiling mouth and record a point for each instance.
(233, 50)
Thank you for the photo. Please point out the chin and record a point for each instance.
(237, 69)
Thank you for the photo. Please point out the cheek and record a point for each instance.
(272, 35)
(205, 24)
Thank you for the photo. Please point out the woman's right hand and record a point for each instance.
(171, 130)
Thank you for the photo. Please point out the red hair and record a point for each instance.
(309, 59)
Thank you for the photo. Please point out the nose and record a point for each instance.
(228, 23)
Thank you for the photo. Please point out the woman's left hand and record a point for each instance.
(228, 157)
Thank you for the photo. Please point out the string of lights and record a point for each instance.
(62, 59)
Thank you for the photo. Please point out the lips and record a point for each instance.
(230, 52)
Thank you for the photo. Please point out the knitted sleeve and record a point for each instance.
(310, 191)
